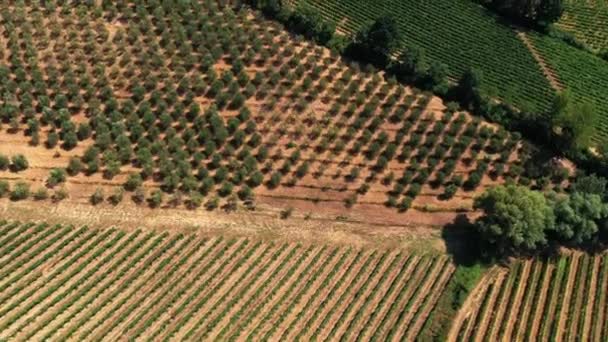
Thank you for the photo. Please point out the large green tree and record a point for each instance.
(514, 218)
(574, 123)
(375, 43)
(577, 216)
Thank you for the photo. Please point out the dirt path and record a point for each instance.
(327, 309)
(601, 307)
(58, 319)
(527, 306)
(287, 298)
(517, 301)
(580, 295)
(485, 321)
(375, 304)
(253, 298)
(122, 299)
(591, 300)
(469, 329)
(376, 286)
(338, 321)
(563, 314)
(403, 318)
(39, 253)
(472, 303)
(436, 292)
(260, 224)
(372, 325)
(182, 323)
(174, 314)
(101, 264)
(306, 305)
(549, 74)
(181, 287)
(37, 278)
(540, 305)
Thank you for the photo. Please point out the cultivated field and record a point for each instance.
(584, 74)
(197, 105)
(509, 70)
(588, 21)
(538, 300)
(63, 283)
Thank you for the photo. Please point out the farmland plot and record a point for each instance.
(539, 300)
(63, 283)
(200, 105)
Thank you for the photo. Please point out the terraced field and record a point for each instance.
(63, 283)
(588, 21)
(538, 300)
(459, 34)
(584, 74)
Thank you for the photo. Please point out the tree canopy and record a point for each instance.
(514, 218)
(375, 43)
(577, 216)
(575, 123)
(532, 12)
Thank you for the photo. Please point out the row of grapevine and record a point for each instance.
(582, 73)
(555, 299)
(587, 20)
(437, 26)
(62, 283)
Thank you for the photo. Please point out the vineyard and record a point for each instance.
(64, 283)
(198, 105)
(588, 21)
(563, 298)
(509, 70)
(584, 74)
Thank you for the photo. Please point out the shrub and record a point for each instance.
(4, 162)
(41, 194)
(449, 191)
(117, 196)
(225, 189)
(134, 181)
(156, 199)
(4, 188)
(56, 176)
(59, 195)
(74, 166)
(21, 191)
(19, 163)
(212, 203)
(97, 197)
(275, 180)
(286, 213)
(405, 204)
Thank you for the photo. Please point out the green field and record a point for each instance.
(459, 34)
(588, 21)
(583, 73)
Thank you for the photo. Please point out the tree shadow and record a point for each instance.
(462, 241)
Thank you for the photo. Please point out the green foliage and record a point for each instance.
(514, 218)
(4, 162)
(20, 192)
(377, 42)
(509, 70)
(56, 176)
(586, 79)
(19, 163)
(97, 197)
(575, 123)
(4, 187)
(577, 216)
